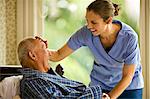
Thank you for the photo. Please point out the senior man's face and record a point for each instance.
(41, 51)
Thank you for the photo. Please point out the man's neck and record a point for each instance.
(42, 68)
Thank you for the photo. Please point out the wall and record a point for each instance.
(8, 31)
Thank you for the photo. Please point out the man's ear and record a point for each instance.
(109, 20)
(32, 55)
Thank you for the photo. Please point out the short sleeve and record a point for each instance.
(132, 53)
(78, 39)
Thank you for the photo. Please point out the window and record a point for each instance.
(64, 17)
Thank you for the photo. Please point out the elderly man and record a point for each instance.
(38, 84)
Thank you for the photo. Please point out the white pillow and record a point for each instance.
(10, 87)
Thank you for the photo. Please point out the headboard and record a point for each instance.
(12, 70)
(9, 70)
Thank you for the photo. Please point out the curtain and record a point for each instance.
(29, 18)
(145, 44)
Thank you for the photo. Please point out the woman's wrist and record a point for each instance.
(105, 96)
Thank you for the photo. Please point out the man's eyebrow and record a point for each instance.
(38, 38)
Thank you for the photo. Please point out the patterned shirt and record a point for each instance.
(38, 85)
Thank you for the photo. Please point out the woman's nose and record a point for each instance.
(89, 26)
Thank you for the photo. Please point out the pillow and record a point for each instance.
(10, 87)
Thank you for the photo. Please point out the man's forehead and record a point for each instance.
(37, 41)
(41, 40)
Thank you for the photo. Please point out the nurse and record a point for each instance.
(114, 44)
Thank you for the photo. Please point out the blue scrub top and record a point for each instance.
(107, 68)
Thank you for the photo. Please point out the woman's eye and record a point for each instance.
(93, 22)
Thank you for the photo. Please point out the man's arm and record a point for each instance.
(92, 92)
(40, 88)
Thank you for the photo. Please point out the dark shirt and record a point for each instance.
(38, 85)
(50, 71)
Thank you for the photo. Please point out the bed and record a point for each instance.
(10, 81)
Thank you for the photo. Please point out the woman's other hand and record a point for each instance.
(105, 96)
(41, 39)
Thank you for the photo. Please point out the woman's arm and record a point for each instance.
(128, 73)
(60, 54)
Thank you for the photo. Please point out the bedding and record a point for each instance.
(10, 87)
(9, 81)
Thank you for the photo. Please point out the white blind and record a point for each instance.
(29, 19)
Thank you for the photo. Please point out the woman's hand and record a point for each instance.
(105, 96)
(58, 55)
(45, 41)
(51, 52)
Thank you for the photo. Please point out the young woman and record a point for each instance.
(114, 44)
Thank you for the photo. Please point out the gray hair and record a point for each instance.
(23, 49)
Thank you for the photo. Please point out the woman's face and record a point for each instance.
(95, 23)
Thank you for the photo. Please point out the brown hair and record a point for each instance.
(104, 8)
